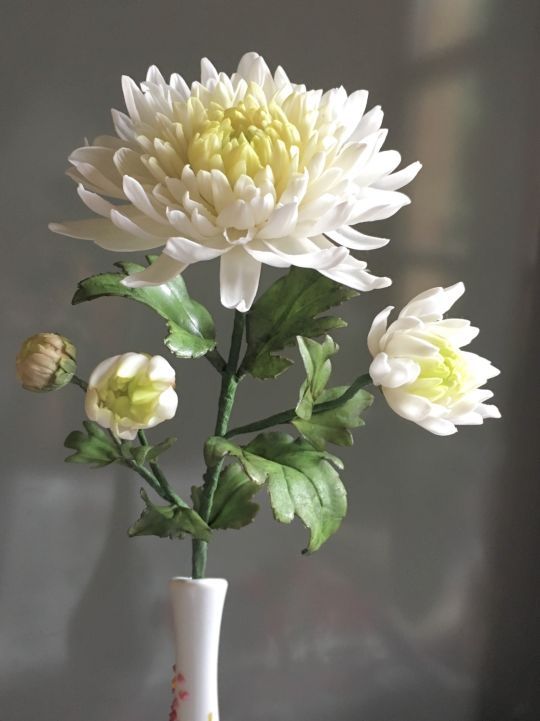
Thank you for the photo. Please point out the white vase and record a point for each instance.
(197, 609)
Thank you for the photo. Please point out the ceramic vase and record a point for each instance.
(197, 607)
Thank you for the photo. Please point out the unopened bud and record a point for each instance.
(46, 362)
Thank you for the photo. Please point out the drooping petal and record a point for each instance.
(353, 272)
(400, 178)
(163, 269)
(303, 253)
(353, 239)
(104, 234)
(187, 251)
(239, 279)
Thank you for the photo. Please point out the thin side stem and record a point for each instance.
(229, 384)
(168, 493)
(79, 382)
(288, 415)
(216, 359)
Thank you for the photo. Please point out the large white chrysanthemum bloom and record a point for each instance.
(130, 392)
(250, 168)
(419, 364)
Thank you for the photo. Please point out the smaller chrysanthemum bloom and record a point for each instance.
(130, 392)
(421, 369)
(46, 362)
(252, 169)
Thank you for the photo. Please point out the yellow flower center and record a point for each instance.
(443, 378)
(134, 398)
(244, 139)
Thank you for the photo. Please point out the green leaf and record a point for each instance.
(330, 426)
(301, 482)
(169, 522)
(95, 447)
(333, 426)
(142, 454)
(316, 359)
(290, 307)
(191, 328)
(232, 506)
(217, 448)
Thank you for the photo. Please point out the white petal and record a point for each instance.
(407, 345)
(124, 126)
(185, 250)
(378, 329)
(350, 238)
(253, 67)
(438, 426)
(413, 408)
(352, 272)
(281, 223)
(260, 251)
(239, 279)
(140, 199)
(95, 202)
(208, 71)
(399, 179)
(163, 269)
(303, 253)
(393, 372)
(165, 409)
(159, 369)
(130, 364)
(102, 370)
(104, 234)
(370, 123)
(140, 226)
(237, 214)
(433, 303)
(488, 411)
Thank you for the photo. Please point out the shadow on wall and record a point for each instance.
(114, 656)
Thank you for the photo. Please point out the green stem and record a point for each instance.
(79, 382)
(229, 384)
(168, 493)
(216, 359)
(288, 415)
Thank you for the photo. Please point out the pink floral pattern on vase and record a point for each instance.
(179, 695)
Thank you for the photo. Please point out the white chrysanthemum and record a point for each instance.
(419, 364)
(249, 168)
(129, 392)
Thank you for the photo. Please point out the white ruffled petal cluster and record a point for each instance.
(130, 392)
(422, 371)
(250, 168)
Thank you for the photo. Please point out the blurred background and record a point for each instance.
(425, 606)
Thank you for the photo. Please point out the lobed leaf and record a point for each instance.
(301, 481)
(232, 506)
(290, 307)
(333, 426)
(191, 327)
(169, 522)
(95, 447)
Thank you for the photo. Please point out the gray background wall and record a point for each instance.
(425, 606)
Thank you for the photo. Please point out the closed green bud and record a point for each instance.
(46, 362)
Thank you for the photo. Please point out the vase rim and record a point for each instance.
(198, 581)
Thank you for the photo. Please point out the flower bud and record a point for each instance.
(129, 392)
(46, 362)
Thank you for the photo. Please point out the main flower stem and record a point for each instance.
(229, 384)
(288, 415)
